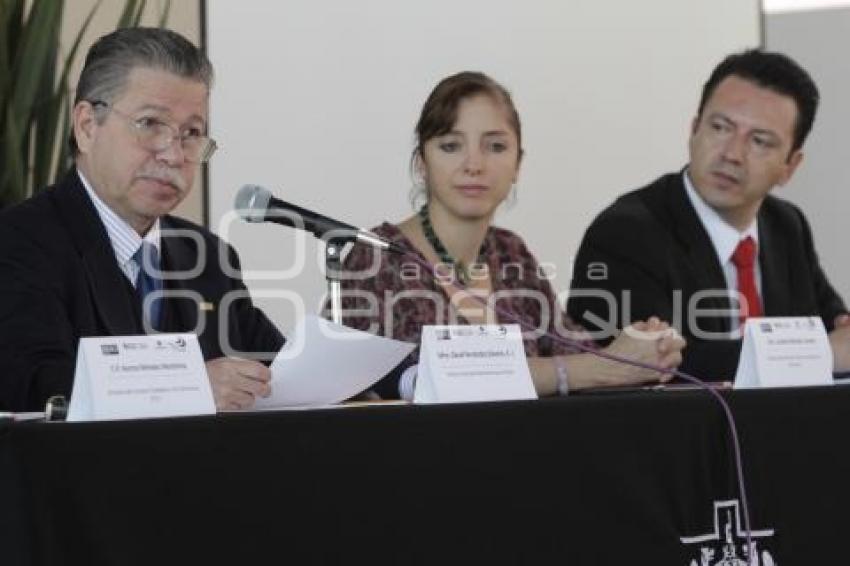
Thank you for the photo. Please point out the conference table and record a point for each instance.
(619, 478)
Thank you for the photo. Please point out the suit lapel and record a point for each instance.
(181, 313)
(107, 284)
(701, 257)
(774, 268)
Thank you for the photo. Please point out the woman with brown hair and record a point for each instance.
(467, 156)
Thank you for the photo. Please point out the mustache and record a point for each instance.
(164, 175)
(734, 172)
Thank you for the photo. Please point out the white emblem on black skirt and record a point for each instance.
(727, 545)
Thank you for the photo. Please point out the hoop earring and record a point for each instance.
(418, 193)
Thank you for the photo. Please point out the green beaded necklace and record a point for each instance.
(462, 270)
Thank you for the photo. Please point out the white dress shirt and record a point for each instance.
(124, 239)
(724, 237)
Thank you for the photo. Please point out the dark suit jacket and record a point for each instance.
(650, 244)
(60, 281)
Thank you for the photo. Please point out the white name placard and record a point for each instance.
(784, 352)
(134, 377)
(472, 363)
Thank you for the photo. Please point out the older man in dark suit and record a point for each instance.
(707, 247)
(98, 254)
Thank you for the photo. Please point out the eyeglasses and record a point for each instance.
(155, 135)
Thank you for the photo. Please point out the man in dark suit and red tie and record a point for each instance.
(708, 246)
(99, 255)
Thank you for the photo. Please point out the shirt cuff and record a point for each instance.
(407, 383)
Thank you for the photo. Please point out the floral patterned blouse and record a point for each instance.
(396, 295)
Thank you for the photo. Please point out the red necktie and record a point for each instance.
(744, 259)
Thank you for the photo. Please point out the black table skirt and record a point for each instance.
(598, 479)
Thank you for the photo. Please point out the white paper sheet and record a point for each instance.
(323, 363)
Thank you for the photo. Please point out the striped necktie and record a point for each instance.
(148, 281)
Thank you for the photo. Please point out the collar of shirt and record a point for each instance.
(723, 236)
(124, 239)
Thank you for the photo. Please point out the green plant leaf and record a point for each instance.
(42, 24)
(11, 22)
(28, 56)
(49, 160)
(42, 127)
(137, 17)
(163, 19)
(38, 42)
(11, 16)
(14, 172)
(128, 15)
(63, 157)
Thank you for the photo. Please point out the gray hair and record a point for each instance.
(111, 59)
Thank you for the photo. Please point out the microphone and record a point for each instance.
(254, 203)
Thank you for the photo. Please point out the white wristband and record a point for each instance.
(407, 383)
(563, 385)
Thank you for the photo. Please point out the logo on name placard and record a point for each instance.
(109, 349)
(727, 544)
(174, 345)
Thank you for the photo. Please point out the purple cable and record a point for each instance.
(730, 419)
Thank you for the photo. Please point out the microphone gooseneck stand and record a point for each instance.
(333, 267)
(730, 419)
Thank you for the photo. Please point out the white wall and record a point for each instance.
(317, 100)
(820, 40)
